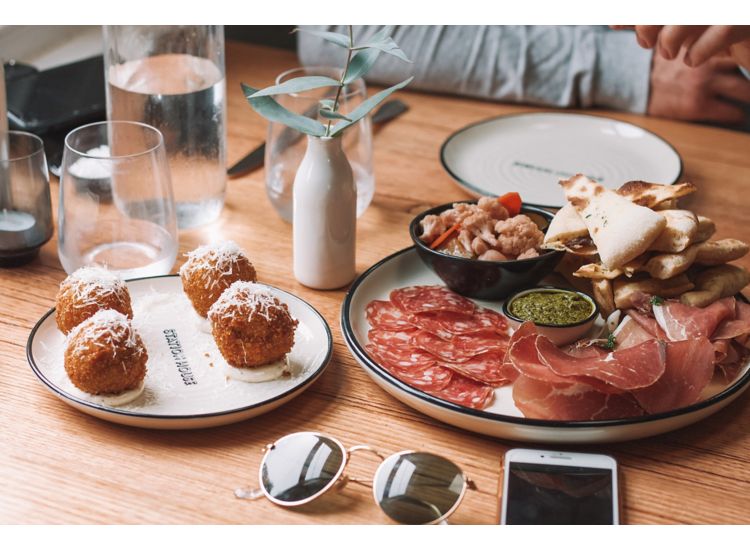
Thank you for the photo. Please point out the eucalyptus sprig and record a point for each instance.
(359, 60)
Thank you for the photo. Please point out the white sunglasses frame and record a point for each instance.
(340, 477)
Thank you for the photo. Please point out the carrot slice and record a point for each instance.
(512, 202)
(444, 237)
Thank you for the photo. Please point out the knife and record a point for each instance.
(387, 112)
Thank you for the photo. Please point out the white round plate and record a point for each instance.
(502, 419)
(186, 387)
(529, 153)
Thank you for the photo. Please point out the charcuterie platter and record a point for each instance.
(647, 366)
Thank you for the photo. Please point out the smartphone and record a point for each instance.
(556, 488)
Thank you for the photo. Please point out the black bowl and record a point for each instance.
(483, 279)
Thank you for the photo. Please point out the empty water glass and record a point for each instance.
(116, 204)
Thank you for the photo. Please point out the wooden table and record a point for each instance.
(58, 465)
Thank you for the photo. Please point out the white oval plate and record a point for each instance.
(502, 419)
(531, 152)
(170, 400)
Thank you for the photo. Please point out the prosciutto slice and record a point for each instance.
(631, 333)
(737, 327)
(626, 369)
(681, 322)
(689, 369)
(646, 322)
(571, 401)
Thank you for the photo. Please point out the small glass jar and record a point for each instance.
(25, 205)
(286, 147)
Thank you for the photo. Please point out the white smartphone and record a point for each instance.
(556, 488)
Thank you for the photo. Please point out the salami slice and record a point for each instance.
(448, 323)
(427, 376)
(459, 348)
(486, 368)
(465, 392)
(391, 338)
(420, 299)
(403, 356)
(382, 314)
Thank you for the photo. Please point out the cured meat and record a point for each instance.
(689, 369)
(391, 337)
(647, 323)
(626, 369)
(384, 315)
(420, 299)
(524, 356)
(425, 377)
(459, 348)
(486, 368)
(570, 401)
(448, 323)
(465, 392)
(631, 333)
(737, 327)
(681, 322)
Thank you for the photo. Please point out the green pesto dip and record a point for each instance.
(551, 307)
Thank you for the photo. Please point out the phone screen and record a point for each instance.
(547, 494)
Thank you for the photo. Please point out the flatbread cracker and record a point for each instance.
(678, 234)
(653, 195)
(620, 229)
(626, 291)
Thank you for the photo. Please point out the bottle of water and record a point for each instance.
(172, 78)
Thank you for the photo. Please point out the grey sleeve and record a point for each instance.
(560, 66)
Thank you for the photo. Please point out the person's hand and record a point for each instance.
(707, 93)
(699, 42)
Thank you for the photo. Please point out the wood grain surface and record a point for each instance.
(59, 465)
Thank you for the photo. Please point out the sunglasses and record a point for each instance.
(410, 487)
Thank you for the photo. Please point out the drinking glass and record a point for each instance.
(116, 206)
(25, 207)
(172, 77)
(285, 147)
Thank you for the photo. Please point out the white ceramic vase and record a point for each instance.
(325, 216)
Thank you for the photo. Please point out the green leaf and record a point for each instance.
(299, 84)
(386, 46)
(269, 108)
(327, 103)
(333, 115)
(333, 37)
(368, 105)
(363, 60)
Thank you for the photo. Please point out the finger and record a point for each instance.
(647, 35)
(732, 87)
(622, 27)
(723, 111)
(716, 39)
(673, 37)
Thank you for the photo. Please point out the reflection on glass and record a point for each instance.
(559, 495)
(418, 488)
(300, 466)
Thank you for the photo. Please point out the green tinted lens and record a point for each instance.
(300, 466)
(418, 488)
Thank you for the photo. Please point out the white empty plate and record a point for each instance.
(529, 153)
(186, 385)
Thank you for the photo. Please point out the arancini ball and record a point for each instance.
(210, 270)
(251, 327)
(105, 355)
(86, 291)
